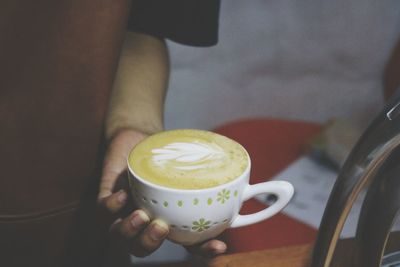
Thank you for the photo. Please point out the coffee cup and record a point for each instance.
(196, 182)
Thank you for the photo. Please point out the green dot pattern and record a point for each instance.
(222, 197)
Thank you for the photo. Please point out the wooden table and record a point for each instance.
(293, 256)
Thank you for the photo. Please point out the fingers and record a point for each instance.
(150, 240)
(136, 231)
(213, 247)
(114, 202)
(208, 249)
(115, 163)
(113, 171)
(130, 226)
(142, 238)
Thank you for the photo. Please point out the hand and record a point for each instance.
(141, 235)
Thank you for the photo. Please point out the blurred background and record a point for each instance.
(309, 60)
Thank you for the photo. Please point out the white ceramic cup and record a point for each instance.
(196, 215)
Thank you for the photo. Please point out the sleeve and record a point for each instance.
(189, 22)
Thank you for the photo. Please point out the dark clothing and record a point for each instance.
(190, 22)
(58, 63)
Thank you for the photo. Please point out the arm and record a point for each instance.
(137, 99)
(136, 110)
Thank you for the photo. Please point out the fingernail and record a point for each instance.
(139, 219)
(158, 231)
(221, 248)
(122, 196)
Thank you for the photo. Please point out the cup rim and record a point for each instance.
(190, 191)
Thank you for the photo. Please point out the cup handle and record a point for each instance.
(282, 189)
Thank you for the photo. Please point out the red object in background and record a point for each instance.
(272, 145)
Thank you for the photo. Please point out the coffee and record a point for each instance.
(217, 169)
(188, 159)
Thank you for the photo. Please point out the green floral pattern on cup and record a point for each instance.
(223, 196)
(201, 225)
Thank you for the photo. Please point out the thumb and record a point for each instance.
(114, 202)
(111, 180)
(114, 169)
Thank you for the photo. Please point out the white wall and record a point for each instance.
(309, 60)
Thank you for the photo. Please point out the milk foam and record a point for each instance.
(188, 156)
(188, 159)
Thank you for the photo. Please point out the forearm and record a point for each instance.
(137, 99)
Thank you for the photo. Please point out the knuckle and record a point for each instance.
(106, 205)
(111, 205)
(127, 231)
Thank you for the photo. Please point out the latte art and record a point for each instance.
(188, 156)
(188, 159)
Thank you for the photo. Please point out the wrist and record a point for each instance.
(126, 138)
(117, 126)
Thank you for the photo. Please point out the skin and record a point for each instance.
(136, 111)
